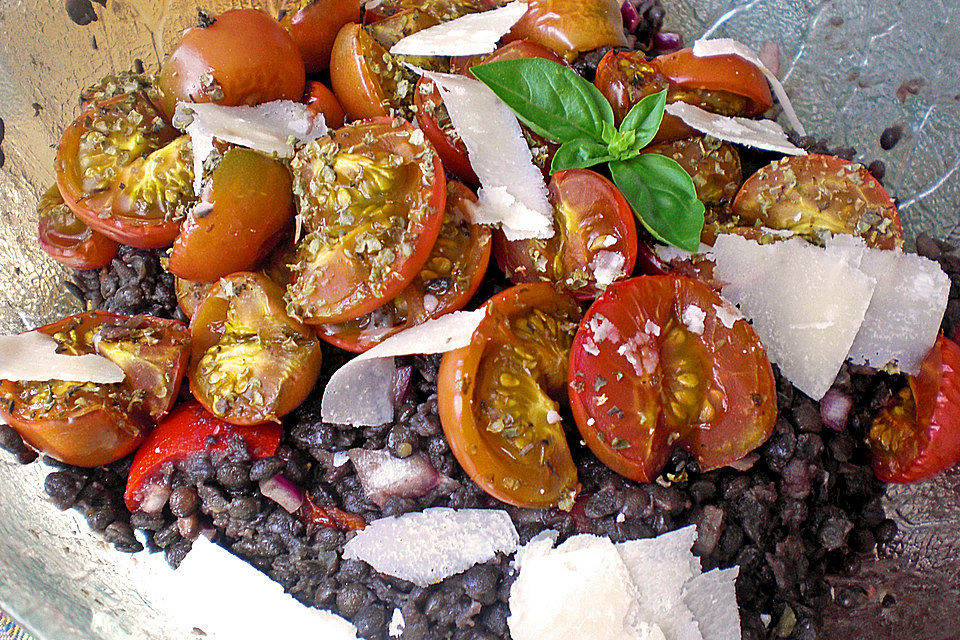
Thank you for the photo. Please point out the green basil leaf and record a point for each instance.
(663, 198)
(580, 154)
(644, 118)
(548, 97)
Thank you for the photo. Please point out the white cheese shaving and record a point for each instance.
(397, 624)
(512, 195)
(706, 48)
(693, 317)
(426, 547)
(33, 356)
(211, 581)
(468, 35)
(607, 266)
(652, 328)
(712, 599)
(727, 314)
(359, 393)
(271, 127)
(761, 134)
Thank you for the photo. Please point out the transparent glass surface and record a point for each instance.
(854, 68)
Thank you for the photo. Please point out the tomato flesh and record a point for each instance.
(452, 274)
(313, 25)
(815, 193)
(371, 197)
(251, 361)
(727, 85)
(571, 26)
(122, 171)
(653, 367)
(243, 58)
(496, 398)
(917, 434)
(88, 424)
(247, 206)
(191, 430)
(595, 239)
(69, 240)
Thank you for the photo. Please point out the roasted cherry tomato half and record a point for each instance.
(191, 430)
(69, 240)
(372, 198)
(498, 398)
(595, 239)
(510, 51)
(655, 365)
(714, 166)
(115, 84)
(435, 122)
(251, 361)
(452, 274)
(320, 100)
(242, 57)
(917, 435)
(727, 85)
(190, 294)
(367, 80)
(244, 209)
(815, 193)
(313, 25)
(395, 28)
(440, 10)
(88, 424)
(571, 26)
(123, 171)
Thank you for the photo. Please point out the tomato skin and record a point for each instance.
(360, 90)
(452, 274)
(587, 211)
(93, 182)
(250, 203)
(67, 239)
(244, 58)
(314, 26)
(523, 343)
(190, 430)
(242, 333)
(393, 221)
(571, 26)
(92, 424)
(812, 193)
(727, 85)
(916, 436)
(452, 150)
(641, 380)
(320, 100)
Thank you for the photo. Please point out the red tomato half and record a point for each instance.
(571, 26)
(595, 239)
(917, 435)
(88, 424)
(191, 430)
(320, 100)
(372, 198)
(123, 171)
(653, 367)
(67, 239)
(243, 57)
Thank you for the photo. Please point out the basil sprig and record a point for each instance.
(558, 104)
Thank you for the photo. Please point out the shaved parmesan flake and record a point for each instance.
(693, 317)
(728, 46)
(904, 316)
(712, 599)
(426, 547)
(397, 624)
(211, 581)
(271, 127)
(806, 305)
(607, 266)
(727, 314)
(760, 134)
(512, 193)
(472, 34)
(33, 356)
(360, 392)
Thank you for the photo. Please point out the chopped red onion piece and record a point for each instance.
(667, 41)
(384, 476)
(631, 17)
(154, 498)
(770, 56)
(401, 384)
(835, 409)
(283, 492)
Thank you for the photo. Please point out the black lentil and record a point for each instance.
(81, 11)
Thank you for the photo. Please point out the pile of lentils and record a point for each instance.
(805, 506)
